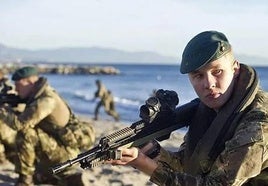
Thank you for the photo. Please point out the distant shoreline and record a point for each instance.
(45, 68)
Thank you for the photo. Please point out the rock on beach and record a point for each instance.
(104, 175)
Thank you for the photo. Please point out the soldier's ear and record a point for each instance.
(236, 67)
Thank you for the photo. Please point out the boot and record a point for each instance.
(25, 180)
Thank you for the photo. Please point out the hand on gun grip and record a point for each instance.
(151, 149)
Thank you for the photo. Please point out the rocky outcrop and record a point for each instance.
(65, 69)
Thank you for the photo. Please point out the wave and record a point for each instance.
(122, 101)
(126, 101)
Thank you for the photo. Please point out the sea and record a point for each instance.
(131, 88)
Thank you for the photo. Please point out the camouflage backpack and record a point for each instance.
(77, 134)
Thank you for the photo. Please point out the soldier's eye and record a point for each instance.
(217, 72)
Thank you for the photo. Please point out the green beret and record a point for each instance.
(202, 49)
(24, 72)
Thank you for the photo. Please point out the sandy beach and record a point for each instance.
(104, 175)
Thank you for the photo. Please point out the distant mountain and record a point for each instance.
(82, 55)
(100, 55)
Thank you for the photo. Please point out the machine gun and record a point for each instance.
(159, 118)
(12, 99)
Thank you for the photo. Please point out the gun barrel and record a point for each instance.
(58, 168)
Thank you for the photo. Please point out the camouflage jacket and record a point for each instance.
(102, 92)
(244, 155)
(45, 109)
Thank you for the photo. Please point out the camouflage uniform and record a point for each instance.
(7, 143)
(7, 134)
(243, 158)
(48, 132)
(106, 100)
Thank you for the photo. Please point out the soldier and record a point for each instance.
(226, 143)
(48, 131)
(106, 100)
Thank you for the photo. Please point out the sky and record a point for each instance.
(162, 26)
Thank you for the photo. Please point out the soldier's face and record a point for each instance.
(23, 87)
(214, 82)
